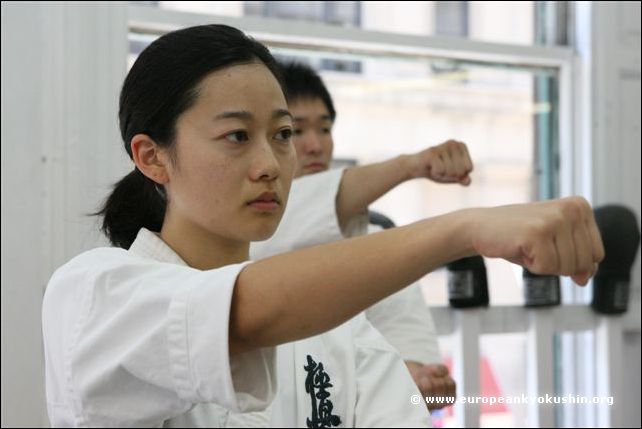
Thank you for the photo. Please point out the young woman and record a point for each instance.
(174, 323)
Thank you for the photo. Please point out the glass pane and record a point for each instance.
(224, 8)
(502, 373)
(488, 21)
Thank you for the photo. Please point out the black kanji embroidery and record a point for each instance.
(316, 384)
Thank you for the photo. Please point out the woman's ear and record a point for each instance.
(149, 158)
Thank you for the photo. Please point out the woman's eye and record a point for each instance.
(325, 130)
(298, 131)
(284, 134)
(237, 137)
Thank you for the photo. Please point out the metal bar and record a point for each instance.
(306, 35)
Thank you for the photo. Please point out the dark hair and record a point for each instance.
(302, 82)
(161, 85)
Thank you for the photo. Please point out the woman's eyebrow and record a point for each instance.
(239, 114)
(247, 116)
(279, 113)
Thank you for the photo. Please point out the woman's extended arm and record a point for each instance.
(303, 293)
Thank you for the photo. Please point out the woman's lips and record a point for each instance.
(267, 201)
(264, 205)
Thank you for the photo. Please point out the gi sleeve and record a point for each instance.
(140, 342)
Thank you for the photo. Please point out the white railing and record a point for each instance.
(467, 326)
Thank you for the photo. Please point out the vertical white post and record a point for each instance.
(539, 366)
(608, 359)
(466, 366)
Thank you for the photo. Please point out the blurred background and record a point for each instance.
(545, 94)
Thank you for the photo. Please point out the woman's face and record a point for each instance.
(234, 147)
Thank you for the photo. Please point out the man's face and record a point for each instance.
(312, 135)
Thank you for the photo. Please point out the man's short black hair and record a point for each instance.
(302, 82)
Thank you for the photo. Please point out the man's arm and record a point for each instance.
(433, 380)
(448, 162)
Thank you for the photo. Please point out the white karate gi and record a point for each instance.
(135, 337)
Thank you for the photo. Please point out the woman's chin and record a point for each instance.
(262, 234)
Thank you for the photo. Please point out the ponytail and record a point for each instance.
(136, 202)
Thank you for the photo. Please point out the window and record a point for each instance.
(451, 18)
(345, 13)
(329, 12)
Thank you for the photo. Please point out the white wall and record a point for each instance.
(614, 62)
(62, 67)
